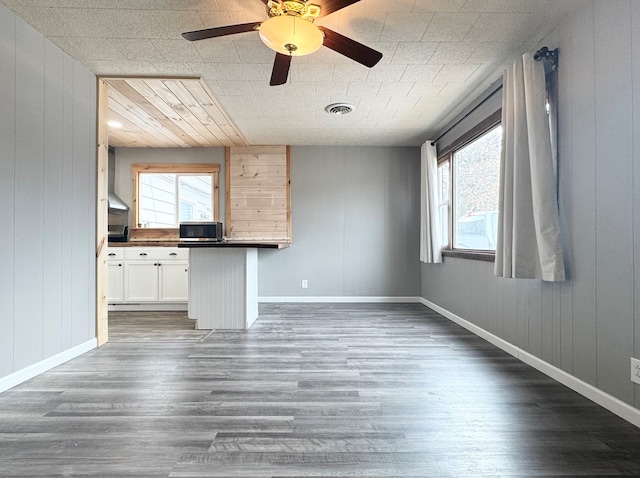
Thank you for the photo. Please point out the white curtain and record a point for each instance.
(429, 233)
(528, 229)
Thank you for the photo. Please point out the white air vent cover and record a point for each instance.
(339, 108)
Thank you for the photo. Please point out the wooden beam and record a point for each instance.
(102, 185)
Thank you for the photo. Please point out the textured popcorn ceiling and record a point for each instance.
(438, 55)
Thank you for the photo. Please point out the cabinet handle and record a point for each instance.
(120, 265)
(156, 264)
(111, 254)
(173, 254)
(143, 253)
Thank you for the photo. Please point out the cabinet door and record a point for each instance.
(115, 291)
(173, 284)
(141, 281)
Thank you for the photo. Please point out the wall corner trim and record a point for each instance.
(609, 402)
(31, 371)
(342, 299)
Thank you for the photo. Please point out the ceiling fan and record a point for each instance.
(290, 31)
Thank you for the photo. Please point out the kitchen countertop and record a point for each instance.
(201, 244)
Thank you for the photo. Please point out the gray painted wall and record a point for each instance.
(125, 157)
(355, 222)
(355, 219)
(47, 198)
(588, 326)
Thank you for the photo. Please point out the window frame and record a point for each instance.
(174, 168)
(446, 155)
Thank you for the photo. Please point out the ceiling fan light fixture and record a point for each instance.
(291, 35)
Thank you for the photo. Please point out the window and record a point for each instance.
(468, 178)
(167, 194)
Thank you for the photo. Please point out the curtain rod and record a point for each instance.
(542, 54)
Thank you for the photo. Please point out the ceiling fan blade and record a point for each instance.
(330, 6)
(220, 31)
(350, 48)
(280, 71)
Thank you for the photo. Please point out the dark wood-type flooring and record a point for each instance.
(384, 390)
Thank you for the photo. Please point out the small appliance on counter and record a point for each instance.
(118, 233)
(201, 231)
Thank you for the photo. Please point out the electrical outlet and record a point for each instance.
(305, 284)
(635, 370)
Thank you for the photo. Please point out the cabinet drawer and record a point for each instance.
(155, 253)
(115, 253)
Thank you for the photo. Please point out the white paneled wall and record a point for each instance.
(588, 326)
(47, 198)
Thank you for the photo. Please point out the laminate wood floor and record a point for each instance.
(386, 390)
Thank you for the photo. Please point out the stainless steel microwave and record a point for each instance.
(211, 231)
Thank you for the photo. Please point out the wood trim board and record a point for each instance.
(102, 308)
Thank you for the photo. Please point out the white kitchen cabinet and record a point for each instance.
(141, 281)
(116, 282)
(115, 269)
(150, 275)
(173, 281)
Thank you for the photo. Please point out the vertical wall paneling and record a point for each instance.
(534, 316)
(614, 221)
(547, 329)
(563, 292)
(67, 201)
(53, 212)
(582, 58)
(635, 61)
(589, 325)
(82, 254)
(46, 140)
(7, 184)
(222, 287)
(509, 296)
(29, 199)
(355, 223)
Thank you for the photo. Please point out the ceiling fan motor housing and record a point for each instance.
(298, 8)
(290, 29)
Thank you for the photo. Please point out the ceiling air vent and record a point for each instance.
(339, 108)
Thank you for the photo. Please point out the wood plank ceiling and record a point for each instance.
(167, 113)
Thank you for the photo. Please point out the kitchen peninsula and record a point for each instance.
(223, 282)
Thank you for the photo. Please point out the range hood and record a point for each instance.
(118, 217)
(116, 204)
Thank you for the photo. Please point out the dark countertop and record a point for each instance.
(144, 244)
(241, 244)
(193, 244)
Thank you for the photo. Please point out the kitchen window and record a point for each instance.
(468, 181)
(167, 194)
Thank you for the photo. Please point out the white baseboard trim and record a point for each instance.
(342, 299)
(611, 403)
(31, 371)
(152, 307)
